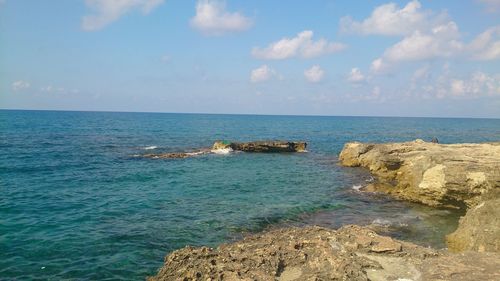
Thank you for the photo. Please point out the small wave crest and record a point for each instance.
(382, 222)
(150, 147)
(357, 187)
(195, 153)
(222, 150)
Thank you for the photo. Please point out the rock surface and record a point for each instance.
(479, 229)
(314, 253)
(262, 146)
(223, 146)
(440, 175)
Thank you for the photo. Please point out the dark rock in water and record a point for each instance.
(166, 155)
(256, 146)
(435, 140)
(262, 146)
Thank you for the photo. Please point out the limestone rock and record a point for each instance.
(440, 175)
(479, 229)
(315, 253)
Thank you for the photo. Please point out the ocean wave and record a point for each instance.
(150, 147)
(195, 153)
(222, 150)
(371, 179)
(357, 187)
(382, 222)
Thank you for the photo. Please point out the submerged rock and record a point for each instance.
(440, 175)
(315, 253)
(166, 155)
(262, 146)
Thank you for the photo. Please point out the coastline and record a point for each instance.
(269, 256)
(460, 176)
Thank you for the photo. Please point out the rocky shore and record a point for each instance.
(314, 253)
(440, 175)
(444, 176)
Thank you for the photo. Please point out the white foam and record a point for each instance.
(371, 179)
(357, 187)
(382, 222)
(222, 150)
(195, 153)
(150, 147)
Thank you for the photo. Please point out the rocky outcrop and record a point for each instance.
(314, 253)
(440, 175)
(479, 229)
(262, 146)
(225, 147)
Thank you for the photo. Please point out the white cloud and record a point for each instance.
(314, 74)
(20, 85)
(421, 73)
(479, 84)
(441, 41)
(108, 11)
(355, 76)
(492, 6)
(388, 19)
(425, 36)
(379, 66)
(212, 19)
(261, 74)
(445, 85)
(486, 46)
(302, 45)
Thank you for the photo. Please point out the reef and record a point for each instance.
(224, 147)
(262, 146)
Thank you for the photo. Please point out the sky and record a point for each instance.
(355, 58)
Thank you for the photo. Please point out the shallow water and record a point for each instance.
(76, 203)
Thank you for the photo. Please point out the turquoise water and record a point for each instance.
(76, 204)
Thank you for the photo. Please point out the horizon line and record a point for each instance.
(246, 114)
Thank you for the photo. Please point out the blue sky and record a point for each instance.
(376, 58)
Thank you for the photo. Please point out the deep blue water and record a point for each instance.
(76, 204)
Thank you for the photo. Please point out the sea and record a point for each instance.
(78, 202)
